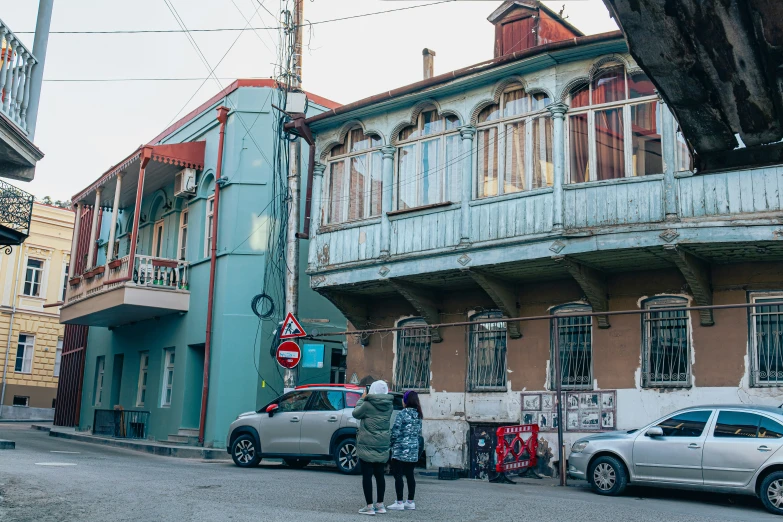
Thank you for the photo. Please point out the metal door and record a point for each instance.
(280, 433)
(677, 455)
(323, 416)
(740, 444)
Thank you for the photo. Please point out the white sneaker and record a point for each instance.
(367, 510)
(410, 505)
(397, 506)
(380, 508)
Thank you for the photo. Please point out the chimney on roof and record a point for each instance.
(429, 63)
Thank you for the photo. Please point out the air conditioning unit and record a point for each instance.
(185, 183)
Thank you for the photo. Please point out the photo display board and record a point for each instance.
(583, 411)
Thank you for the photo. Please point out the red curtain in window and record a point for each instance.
(577, 126)
(609, 144)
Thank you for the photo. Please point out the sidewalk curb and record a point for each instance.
(184, 452)
(7, 444)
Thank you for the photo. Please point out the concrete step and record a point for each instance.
(7, 444)
(183, 439)
(188, 432)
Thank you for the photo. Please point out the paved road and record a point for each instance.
(49, 479)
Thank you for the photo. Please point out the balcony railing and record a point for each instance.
(148, 272)
(16, 210)
(16, 67)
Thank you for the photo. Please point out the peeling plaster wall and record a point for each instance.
(719, 363)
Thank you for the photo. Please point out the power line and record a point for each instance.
(96, 80)
(235, 29)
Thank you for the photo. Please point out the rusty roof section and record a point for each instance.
(467, 71)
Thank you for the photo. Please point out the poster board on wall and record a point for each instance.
(583, 411)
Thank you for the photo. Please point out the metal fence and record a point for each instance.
(487, 353)
(412, 368)
(666, 361)
(121, 424)
(16, 208)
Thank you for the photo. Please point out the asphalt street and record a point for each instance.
(49, 479)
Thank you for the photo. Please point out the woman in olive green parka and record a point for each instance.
(374, 411)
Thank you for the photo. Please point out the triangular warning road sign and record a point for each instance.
(291, 328)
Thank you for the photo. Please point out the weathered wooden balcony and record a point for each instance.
(113, 294)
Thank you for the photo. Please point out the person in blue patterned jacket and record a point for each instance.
(405, 448)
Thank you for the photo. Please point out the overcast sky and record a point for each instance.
(84, 128)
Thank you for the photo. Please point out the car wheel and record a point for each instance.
(607, 476)
(245, 451)
(346, 457)
(296, 463)
(771, 492)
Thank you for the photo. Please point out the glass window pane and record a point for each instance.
(453, 173)
(431, 122)
(336, 176)
(338, 150)
(684, 158)
(407, 183)
(768, 341)
(543, 168)
(487, 162)
(492, 112)
(452, 122)
(376, 188)
(408, 133)
(609, 144)
(646, 139)
(412, 366)
(769, 429)
(514, 179)
(351, 398)
(576, 350)
(515, 102)
(640, 85)
(540, 101)
(609, 85)
(737, 424)
(580, 97)
(579, 148)
(487, 358)
(359, 141)
(689, 424)
(357, 187)
(430, 172)
(294, 401)
(327, 401)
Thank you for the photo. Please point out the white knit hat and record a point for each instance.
(379, 388)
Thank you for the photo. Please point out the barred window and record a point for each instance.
(575, 339)
(666, 350)
(487, 358)
(767, 340)
(412, 367)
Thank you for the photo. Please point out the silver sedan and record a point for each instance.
(733, 449)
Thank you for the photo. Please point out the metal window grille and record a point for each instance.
(487, 359)
(767, 338)
(576, 350)
(666, 359)
(412, 370)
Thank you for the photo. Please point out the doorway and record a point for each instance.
(116, 380)
(194, 382)
(157, 239)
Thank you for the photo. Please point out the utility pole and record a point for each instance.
(294, 183)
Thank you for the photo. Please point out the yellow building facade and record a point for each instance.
(32, 276)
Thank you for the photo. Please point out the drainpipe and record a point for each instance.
(10, 329)
(222, 118)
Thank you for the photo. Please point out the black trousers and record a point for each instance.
(400, 468)
(368, 470)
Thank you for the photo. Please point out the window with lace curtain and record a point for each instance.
(353, 181)
(514, 144)
(614, 127)
(428, 164)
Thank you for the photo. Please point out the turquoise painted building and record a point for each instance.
(138, 316)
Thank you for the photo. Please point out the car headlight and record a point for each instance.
(579, 446)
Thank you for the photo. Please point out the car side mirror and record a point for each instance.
(271, 409)
(655, 431)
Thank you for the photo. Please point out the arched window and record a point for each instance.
(354, 182)
(666, 347)
(428, 167)
(514, 144)
(575, 340)
(614, 127)
(487, 353)
(412, 364)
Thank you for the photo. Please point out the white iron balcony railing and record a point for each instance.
(148, 272)
(16, 67)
